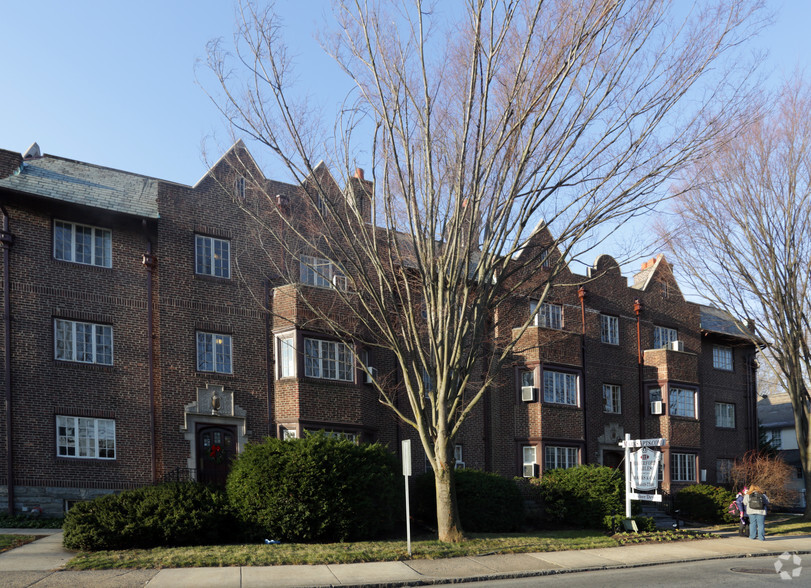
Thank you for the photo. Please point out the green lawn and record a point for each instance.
(297, 553)
(11, 541)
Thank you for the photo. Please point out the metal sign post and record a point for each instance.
(406, 473)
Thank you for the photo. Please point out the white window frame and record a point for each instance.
(216, 354)
(725, 415)
(560, 387)
(458, 456)
(98, 252)
(612, 399)
(664, 336)
(722, 358)
(682, 402)
(212, 257)
(775, 437)
(549, 316)
(288, 434)
(560, 457)
(286, 356)
(610, 329)
(85, 438)
(529, 457)
(83, 342)
(683, 467)
(328, 360)
(321, 273)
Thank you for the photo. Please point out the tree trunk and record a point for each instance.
(449, 526)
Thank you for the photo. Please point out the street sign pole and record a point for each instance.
(406, 473)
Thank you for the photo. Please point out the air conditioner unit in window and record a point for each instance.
(372, 374)
(676, 346)
(656, 407)
(527, 393)
(529, 470)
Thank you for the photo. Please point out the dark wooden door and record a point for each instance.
(612, 459)
(216, 447)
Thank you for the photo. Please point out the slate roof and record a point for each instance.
(86, 184)
(715, 320)
(774, 410)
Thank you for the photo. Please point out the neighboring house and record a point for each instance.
(777, 419)
(136, 345)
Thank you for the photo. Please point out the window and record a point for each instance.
(527, 378)
(549, 315)
(682, 402)
(83, 244)
(611, 398)
(722, 358)
(559, 457)
(212, 257)
(85, 438)
(330, 360)
(286, 356)
(239, 188)
(725, 415)
(559, 387)
(609, 329)
(83, 342)
(663, 336)
(723, 470)
(529, 461)
(546, 262)
(214, 353)
(683, 467)
(655, 394)
(317, 271)
(288, 434)
(775, 438)
(459, 463)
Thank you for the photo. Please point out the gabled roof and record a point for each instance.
(86, 184)
(774, 410)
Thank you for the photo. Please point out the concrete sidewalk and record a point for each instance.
(39, 564)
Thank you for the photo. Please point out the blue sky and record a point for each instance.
(113, 83)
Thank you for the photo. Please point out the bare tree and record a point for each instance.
(742, 236)
(490, 127)
(769, 472)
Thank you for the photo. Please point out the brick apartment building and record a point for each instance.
(136, 347)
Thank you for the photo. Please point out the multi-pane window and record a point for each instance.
(725, 415)
(610, 329)
(611, 398)
(214, 352)
(458, 456)
(559, 457)
(682, 402)
(317, 271)
(683, 467)
(775, 438)
(239, 188)
(212, 257)
(529, 457)
(664, 336)
(722, 358)
(286, 357)
(559, 387)
(549, 315)
(85, 437)
(331, 360)
(83, 342)
(723, 470)
(83, 244)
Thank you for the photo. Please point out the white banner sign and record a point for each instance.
(645, 469)
(643, 443)
(646, 497)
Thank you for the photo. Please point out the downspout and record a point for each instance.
(269, 373)
(149, 263)
(7, 240)
(640, 362)
(751, 384)
(581, 293)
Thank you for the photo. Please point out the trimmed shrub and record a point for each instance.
(488, 503)
(583, 496)
(643, 524)
(705, 503)
(315, 489)
(179, 513)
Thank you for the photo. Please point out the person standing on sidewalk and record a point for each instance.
(756, 503)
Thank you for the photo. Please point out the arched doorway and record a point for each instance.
(216, 447)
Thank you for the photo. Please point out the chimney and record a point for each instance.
(359, 173)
